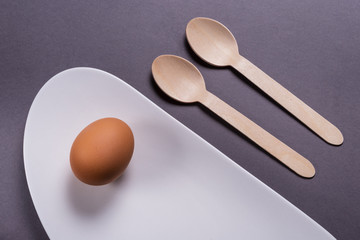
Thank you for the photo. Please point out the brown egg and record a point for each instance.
(102, 151)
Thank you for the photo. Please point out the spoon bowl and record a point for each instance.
(178, 78)
(212, 41)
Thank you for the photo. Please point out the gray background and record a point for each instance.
(310, 47)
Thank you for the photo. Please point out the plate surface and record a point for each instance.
(177, 186)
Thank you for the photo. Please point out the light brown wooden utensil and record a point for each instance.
(182, 81)
(215, 44)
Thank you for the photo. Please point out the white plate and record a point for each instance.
(177, 186)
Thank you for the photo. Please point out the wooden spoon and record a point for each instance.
(182, 81)
(215, 44)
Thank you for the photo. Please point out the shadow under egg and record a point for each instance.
(89, 200)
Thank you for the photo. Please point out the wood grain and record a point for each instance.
(261, 137)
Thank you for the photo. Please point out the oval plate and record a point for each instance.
(177, 185)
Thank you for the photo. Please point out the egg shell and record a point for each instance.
(102, 151)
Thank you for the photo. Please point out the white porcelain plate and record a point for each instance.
(177, 186)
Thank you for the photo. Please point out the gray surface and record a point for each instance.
(310, 47)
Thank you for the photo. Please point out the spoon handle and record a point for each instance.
(322, 127)
(261, 137)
